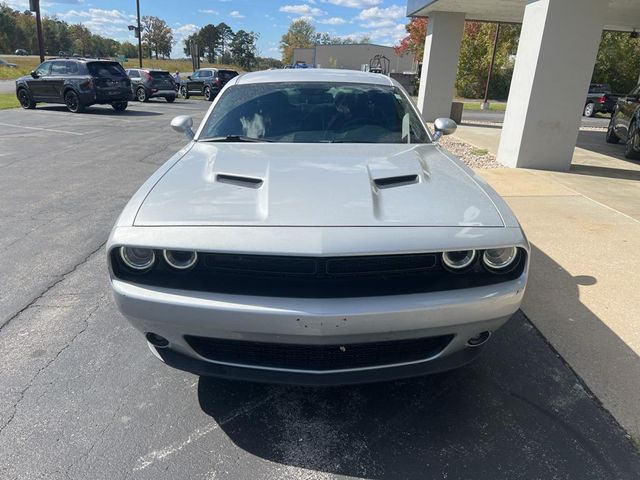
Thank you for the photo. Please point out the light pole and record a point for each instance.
(485, 103)
(138, 32)
(34, 6)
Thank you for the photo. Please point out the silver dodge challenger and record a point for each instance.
(313, 231)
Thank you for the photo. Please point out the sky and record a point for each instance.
(382, 20)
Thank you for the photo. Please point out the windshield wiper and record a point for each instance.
(234, 138)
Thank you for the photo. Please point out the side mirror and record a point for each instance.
(34, 74)
(189, 77)
(183, 124)
(443, 126)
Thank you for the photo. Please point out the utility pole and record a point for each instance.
(34, 6)
(485, 103)
(139, 32)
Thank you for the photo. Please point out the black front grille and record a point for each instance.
(315, 277)
(318, 357)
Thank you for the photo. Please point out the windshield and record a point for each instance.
(305, 112)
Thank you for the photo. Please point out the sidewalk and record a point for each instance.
(584, 288)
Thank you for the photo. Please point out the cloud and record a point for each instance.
(333, 21)
(354, 3)
(377, 13)
(236, 14)
(303, 10)
(110, 23)
(208, 10)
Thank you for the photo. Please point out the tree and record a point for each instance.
(226, 37)
(80, 39)
(475, 57)
(157, 36)
(243, 49)
(209, 39)
(414, 41)
(265, 63)
(193, 38)
(128, 49)
(618, 61)
(301, 34)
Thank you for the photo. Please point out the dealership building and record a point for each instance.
(353, 57)
(554, 64)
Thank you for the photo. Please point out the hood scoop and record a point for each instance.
(240, 181)
(397, 181)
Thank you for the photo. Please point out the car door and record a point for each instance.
(136, 79)
(626, 108)
(54, 83)
(37, 85)
(194, 84)
(207, 78)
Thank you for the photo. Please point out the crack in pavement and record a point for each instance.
(50, 362)
(60, 278)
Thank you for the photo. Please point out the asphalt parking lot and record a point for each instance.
(81, 396)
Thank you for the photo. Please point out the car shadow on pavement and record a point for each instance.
(105, 110)
(516, 412)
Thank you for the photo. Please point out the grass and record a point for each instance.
(494, 106)
(479, 152)
(8, 100)
(27, 64)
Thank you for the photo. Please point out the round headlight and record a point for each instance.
(137, 258)
(459, 260)
(499, 259)
(180, 259)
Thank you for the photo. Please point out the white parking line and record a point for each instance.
(44, 129)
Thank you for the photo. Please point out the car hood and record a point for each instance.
(271, 184)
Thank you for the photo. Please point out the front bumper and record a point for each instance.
(174, 314)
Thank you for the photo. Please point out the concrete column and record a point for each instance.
(439, 65)
(556, 54)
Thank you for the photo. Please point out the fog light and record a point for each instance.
(459, 260)
(499, 259)
(139, 259)
(479, 339)
(157, 340)
(180, 259)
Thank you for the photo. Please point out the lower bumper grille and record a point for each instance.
(318, 357)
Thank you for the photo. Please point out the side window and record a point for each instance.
(196, 74)
(72, 68)
(134, 74)
(44, 69)
(206, 73)
(58, 68)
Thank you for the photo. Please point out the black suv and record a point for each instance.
(625, 124)
(147, 83)
(76, 82)
(207, 82)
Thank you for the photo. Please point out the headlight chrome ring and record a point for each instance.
(180, 259)
(499, 259)
(459, 261)
(138, 259)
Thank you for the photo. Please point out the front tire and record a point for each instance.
(25, 99)
(207, 94)
(170, 99)
(589, 109)
(632, 147)
(184, 92)
(72, 101)
(141, 95)
(120, 106)
(611, 136)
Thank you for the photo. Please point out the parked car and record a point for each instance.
(599, 100)
(4, 63)
(206, 82)
(77, 83)
(149, 83)
(21, 51)
(625, 124)
(313, 232)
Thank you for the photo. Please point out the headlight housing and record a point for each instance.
(138, 259)
(459, 261)
(499, 259)
(180, 259)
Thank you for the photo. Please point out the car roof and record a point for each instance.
(314, 75)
